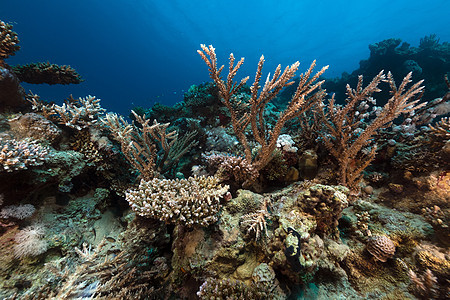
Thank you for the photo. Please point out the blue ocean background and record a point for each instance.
(139, 52)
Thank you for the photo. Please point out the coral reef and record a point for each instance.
(230, 194)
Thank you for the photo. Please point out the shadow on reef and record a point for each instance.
(227, 195)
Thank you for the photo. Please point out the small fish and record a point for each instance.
(110, 239)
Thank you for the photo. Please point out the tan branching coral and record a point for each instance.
(79, 113)
(19, 155)
(9, 42)
(74, 113)
(349, 139)
(425, 285)
(251, 114)
(195, 200)
(255, 223)
(138, 143)
(441, 129)
(138, 147)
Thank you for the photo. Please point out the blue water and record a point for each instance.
(136, 52)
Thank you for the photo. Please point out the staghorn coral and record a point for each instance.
(38, 73)
(138, 143)
(348, 139)
(195, 200)
(441, 130)
(18, 155)
(74, 113)
(9, 43)
(78, 113)
(251, 113)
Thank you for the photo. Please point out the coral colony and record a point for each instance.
(270, 190)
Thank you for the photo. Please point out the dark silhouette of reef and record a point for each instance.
(39, 73)
(429, 61)
(12, 95)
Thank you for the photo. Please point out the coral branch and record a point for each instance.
(308, 93)
(349, 138)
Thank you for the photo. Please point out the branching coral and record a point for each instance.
(38, 73)
(228, 289)
(9, 43)
(255, 223)
(138, 143)
(74, 113)
(349, 139)
(195, 200)
(441, 129)
(251, 114)
(19, 155)
(425, 285)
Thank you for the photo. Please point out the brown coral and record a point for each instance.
(8, 41)
(234, 168)
(39, 73)
(307, 94)
(441, 130)
(381, 247)
(345, 137)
